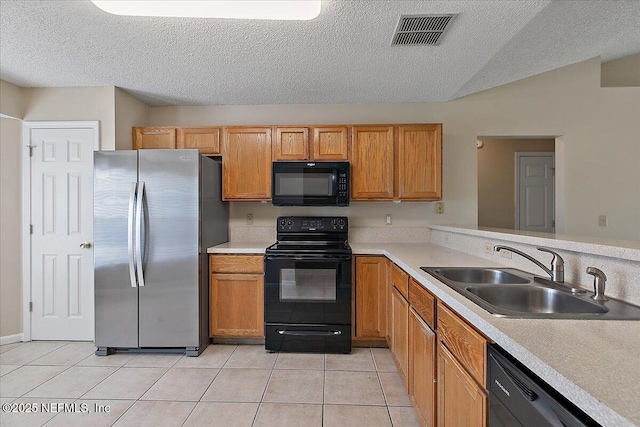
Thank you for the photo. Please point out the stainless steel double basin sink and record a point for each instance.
(508, 292)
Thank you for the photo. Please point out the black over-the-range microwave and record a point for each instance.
(306, 183)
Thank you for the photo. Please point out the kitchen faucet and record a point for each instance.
(557, 263)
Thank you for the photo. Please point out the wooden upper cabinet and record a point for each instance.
(330, 143)
(154, 137)
(419, 162)
(292, 143)
(317, 143)
(246, 163)
(372, 163)
(205, 139)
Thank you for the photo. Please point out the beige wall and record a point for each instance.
(129, 112)
(88, 103)
(11, 100)
(496, 178)
(10, 226)
(597, 149)
(623, 72)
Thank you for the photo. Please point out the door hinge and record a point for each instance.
(553, 223)
(30, 306)
(553, 171)
(30, 150)
(30, 228)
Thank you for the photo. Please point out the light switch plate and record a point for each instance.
(249, 219)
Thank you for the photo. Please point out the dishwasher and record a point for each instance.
(519, 398)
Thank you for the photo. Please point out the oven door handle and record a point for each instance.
(301, 333)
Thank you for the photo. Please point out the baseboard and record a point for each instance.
(10, 339)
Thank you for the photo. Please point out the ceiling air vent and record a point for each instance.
(421, 30)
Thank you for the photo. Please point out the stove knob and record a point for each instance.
(282, 223)
(289, 223)
(341, 222)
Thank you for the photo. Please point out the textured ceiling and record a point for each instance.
(343, 56)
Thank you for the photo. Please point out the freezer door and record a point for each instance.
(116, 294)
(169, 232)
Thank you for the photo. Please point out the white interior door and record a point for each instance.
(62, 220)
(535, 192)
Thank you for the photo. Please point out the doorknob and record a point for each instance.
(85, 245)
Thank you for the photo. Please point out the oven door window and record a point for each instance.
(308, 285)
(317, 183)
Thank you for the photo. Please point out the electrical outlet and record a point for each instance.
(488, 248)
(447, 240)
(388, 219)
(603, 221)
(249, 219)
(440, 207)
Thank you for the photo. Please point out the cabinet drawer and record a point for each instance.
(469, 347)
(423, 302)
(236, 263)
(400, 280)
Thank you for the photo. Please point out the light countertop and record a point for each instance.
(593, 363)
(240, 248)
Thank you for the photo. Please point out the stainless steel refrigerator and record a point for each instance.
(155, 214)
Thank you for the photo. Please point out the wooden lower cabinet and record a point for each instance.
(400, 334)
(461, 401)
(370, 297)
(422, 369)
(237, 305)
(236, 293)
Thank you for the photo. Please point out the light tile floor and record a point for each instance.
(64, 384)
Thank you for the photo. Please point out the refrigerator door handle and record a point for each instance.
(139, 220)
(130, 243)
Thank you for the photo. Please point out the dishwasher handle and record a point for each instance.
(532, 402)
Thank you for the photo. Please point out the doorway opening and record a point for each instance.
(516, 183)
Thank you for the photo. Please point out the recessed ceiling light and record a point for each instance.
(281, 10)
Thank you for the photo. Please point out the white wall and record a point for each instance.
(129, 112)
(11, 100)
(11, 104)
(10, 227)
(87, 103)
(623, 72)
(597, 144)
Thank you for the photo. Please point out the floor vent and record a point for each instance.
(421, 30)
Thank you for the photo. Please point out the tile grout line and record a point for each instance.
(384, 395)
(273, 368)
(43, 355)
(324, 383)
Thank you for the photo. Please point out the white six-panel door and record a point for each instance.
(535, 192)
(62, 292)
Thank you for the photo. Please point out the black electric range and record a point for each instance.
(308, 286)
